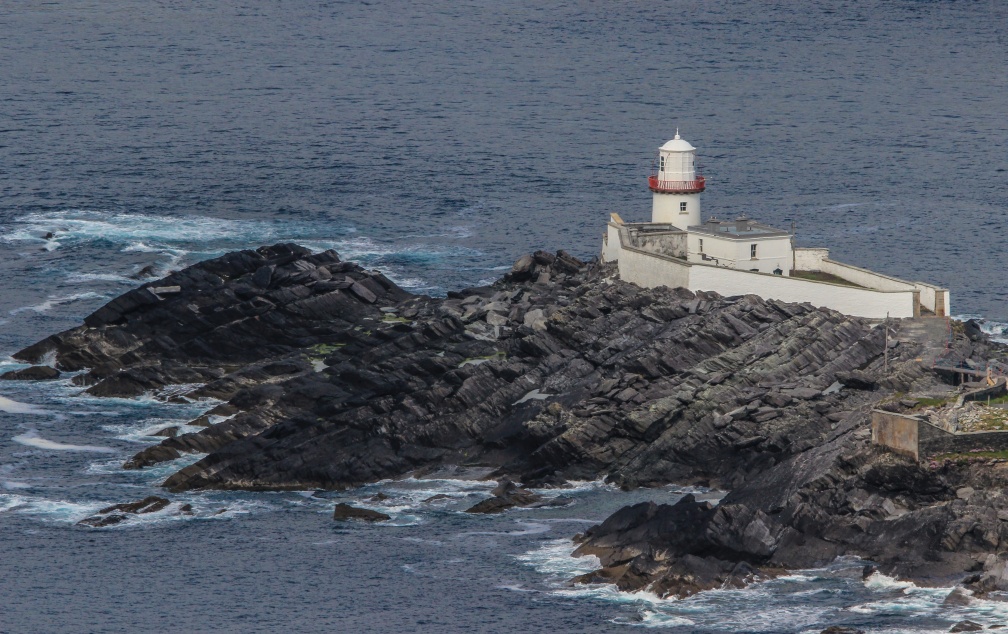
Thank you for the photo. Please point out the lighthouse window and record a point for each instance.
(701, 245)
(752, 251)
(661, 162)
(682, 207)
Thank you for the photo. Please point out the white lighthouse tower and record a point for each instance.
(676, 185)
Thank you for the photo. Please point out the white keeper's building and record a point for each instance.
(740, 256)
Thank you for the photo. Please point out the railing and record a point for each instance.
(676, 187)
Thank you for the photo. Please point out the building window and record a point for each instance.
(661, 164)
(682, 208)
(752, 251)
(701, 245)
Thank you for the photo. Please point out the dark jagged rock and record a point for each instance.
(150, 504)
(506, 495)
(966, 626)
(34, 373)
(842, 629)
(120, 512)
(959, 596)
(335, 377)
(347, 512)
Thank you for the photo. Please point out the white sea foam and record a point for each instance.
(148, 428)
(62, 511)
(84, 278)
(32, 439)
(879, 581)
(15, 407)
(554, 559)
(89, 225)
(54, 301)
(997, 330)
(655, 618)
(528, 528)
(153, 474)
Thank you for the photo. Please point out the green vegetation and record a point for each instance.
(932, 402)
(1001, 400)
(326, 348)
(500, 354)
(819, 276)
(389, 318)
(992, 419)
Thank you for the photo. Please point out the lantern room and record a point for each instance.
(676, 184)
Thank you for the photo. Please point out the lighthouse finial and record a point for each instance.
(677, 132)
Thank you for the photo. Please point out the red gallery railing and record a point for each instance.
(676, 187)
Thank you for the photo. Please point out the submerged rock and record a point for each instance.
(506, 495)
(117, 513)
(347, 512)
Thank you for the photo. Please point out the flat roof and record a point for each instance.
(740, 229)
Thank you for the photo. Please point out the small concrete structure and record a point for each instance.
(917, 438)
(742, 256)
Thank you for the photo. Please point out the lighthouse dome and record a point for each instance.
(678, 145)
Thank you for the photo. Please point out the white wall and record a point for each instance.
(809, 259)
(611, 243)
(861, 302)
(932, 297)
(649, 270)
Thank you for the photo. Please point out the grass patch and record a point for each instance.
(819, 276)
(395, 319)
(500, 354)
(326, 348)
(994, 419)
(932, 402)
(1001, 400)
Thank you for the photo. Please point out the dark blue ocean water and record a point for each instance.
(439, 141)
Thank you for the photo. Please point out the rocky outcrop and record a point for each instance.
(333, 377)
(34, 373)
(845, 497)
(558, 371)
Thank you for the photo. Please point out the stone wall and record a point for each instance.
(918, 439)
(898, 432)
(934, 440)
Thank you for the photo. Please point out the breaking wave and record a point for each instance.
(32, 439)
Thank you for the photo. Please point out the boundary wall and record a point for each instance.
(931, 297)
(650, 269)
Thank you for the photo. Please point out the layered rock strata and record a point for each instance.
(332, 376)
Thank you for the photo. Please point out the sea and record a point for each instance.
(439, 141)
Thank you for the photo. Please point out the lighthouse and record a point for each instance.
(676, 185)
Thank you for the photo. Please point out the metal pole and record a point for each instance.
(886, 357)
